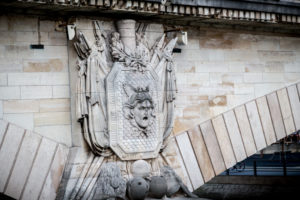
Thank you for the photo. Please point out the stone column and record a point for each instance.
(126, 29)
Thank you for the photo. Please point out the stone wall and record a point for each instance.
(34, 83)
(217, 70)
(220, 69)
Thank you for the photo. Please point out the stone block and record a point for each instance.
(61, 91)
(3, 129)
(26, 24)
(8, 65)
(3, 79)
(57, 38)
(25, 120)
(23, 79)
(58, 133)
(36, 92)
(54, 78)
(274, 67)
(253, 77)
(1, 109)
(190, 160)
(201, 153)
(245, 130)
(45, 65)
(291, 67)
(51, 52)
(20, 106)
(236, 66)
(17, 51)
(256, 126)
(3, 23)
(286, 56)
(213, 147)
(40, 170)
(53, 179)
(52, 118)
(54, 105)
(291, 77)
(254, 67)
(273, 77)
(204, 66)
(266, 120)
(293, 92)
(23, 165)
(265, 88)
(9, 93)
(217, 101)
(286, 111)
(47, 26)
(234, 135)
(8, 152)
(276, 115)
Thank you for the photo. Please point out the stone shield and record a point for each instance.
(134, 112)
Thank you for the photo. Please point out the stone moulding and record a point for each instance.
(180, 8)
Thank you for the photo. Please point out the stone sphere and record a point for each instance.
(158, 187)
(140, 168)
(137, 188)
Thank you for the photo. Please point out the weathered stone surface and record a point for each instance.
(140, 168)
(22, 168)
(276, 115)
(111, 184)
(8, 153)
(295, 104)
(53, 179)
(256, 126)
(245, 129)
(189, 159)
(213, 147)
(138, 188)
(235, 136)
(51, 118)
(21, 106)
(201, 153)
(266, 120)
(3, 129)
(40, 170)
(224, 141)
(24, 120)
(286, 111)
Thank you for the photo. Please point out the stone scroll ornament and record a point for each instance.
(125, 91)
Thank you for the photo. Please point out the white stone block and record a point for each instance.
(61, 92)
(53, 179)
(3, 79)
(24, 120)
(23, 165)
(39, 170)
(51, 118)
(23, 79)
(54, 105)
(8, 152)
(54, 78)
(36, 92)
(1, 109)
(58, 133)
(9, 93)
(273, 77)
(253, 77)
(20, 106)
(51, 52)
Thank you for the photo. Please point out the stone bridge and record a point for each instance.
(32, 166)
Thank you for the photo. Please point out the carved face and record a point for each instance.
(142, 113)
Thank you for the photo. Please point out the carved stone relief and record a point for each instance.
(125, 91)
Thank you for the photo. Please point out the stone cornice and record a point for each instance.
(204, 11)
